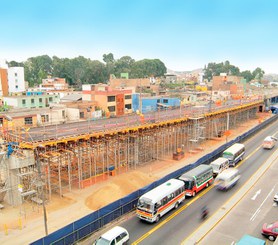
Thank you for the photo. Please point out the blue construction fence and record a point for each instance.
(89, 224)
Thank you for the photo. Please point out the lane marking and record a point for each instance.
(259, 208)
(256, 194)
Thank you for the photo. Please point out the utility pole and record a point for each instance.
(40, 184)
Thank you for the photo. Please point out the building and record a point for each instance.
(34, 101)
(116, 102)
(55, 83)
(149, 104)
(234, 84)
(16, 80)
(4, 89)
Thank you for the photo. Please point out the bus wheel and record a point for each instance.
(157, 218)
(176, 205)
(194, 193)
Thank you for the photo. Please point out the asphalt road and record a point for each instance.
(177, 225)
(247, 217)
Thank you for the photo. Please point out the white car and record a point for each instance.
(275, 199)
(116, 236)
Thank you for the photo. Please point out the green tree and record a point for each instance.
(148, 67)
(123, 65)
(258, 73)
(247, 75)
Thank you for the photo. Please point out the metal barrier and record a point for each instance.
(85, 226)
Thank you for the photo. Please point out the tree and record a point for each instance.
(258, 73)
(214, 69)
(110, 62)
(124, 64)
(247, 75)
(147, 68)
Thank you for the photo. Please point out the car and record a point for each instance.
(275, 198)
(115, 236)
(269, 142)
(270, 230)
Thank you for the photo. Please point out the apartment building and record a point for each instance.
(115, 101)
(34, 101)
(50, 84)
(234, 84)
(16, 82)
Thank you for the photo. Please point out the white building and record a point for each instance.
(16, 80)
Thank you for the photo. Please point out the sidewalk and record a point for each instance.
(205, 228)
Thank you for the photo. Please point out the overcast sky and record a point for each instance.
(184, 34)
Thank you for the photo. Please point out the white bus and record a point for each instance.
(160, 200)
(227, 179)
(234, 153)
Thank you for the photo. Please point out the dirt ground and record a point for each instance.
(24, 224)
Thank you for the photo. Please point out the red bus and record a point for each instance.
(197, 179)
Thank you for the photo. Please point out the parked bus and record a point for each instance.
(227, 179)
(160, 200)
(234, 153)
(197, 179)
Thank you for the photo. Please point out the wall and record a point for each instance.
(16, 79)
(4, 82)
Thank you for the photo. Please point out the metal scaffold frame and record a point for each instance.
(76, 162)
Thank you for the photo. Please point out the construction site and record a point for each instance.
(37, 163)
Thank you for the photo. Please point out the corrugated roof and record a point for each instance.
(72, 97)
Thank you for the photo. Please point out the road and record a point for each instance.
(177, 225)
(247, 217)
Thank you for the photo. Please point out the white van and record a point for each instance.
(116, 236)
(219, 165)
(227, 179)
(269, 142)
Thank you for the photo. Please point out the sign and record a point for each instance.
(20, 187)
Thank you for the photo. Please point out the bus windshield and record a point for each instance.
(228, 156)
(188, 184)
(145, 203)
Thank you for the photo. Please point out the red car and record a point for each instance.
(270, 230)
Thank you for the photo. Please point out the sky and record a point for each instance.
(183, 34)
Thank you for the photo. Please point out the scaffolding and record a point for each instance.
(77, 161)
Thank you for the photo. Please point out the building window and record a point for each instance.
(64, 114)
(128, 97)
(23, 102)
(111, 108)
(45, 118)
(40, 100)
(16, 86)
(128, 106)
(111, 98)
(15, 74)
(50, 99)
(32, 101)
(28, 120)
(81, 114)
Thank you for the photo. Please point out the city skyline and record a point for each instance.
(185, 35)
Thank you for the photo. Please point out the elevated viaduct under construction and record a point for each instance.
(59, 158)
